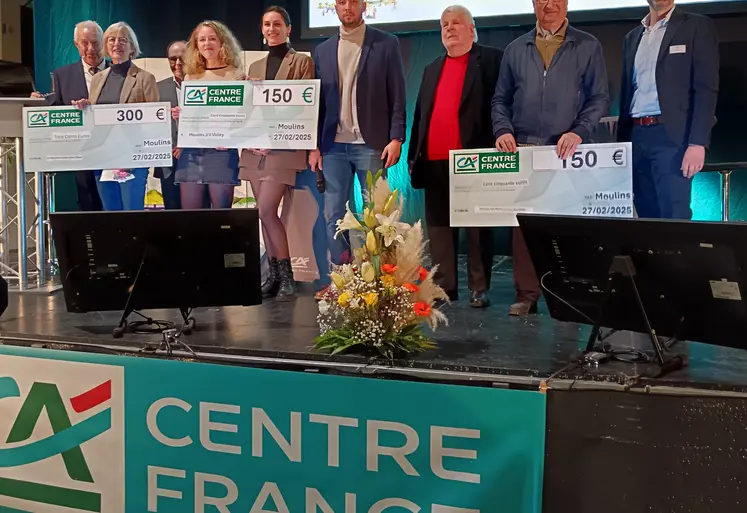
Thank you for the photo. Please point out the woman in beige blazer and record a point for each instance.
(122, 82)
(271, 172)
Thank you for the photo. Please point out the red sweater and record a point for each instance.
(443, 133)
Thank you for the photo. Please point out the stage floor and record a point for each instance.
(477, 344)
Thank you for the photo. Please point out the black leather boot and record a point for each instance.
(287, 290)
(271, 286)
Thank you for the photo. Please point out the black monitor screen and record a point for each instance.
(181, 258)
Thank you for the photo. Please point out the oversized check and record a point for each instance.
(126, 136)
(488, 188)
(276, 114)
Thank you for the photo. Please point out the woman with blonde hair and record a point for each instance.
(122, 82)
(271, 172)
(213, 54)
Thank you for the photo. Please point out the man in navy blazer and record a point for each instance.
(169, 90)
(72, 82)
(667, 105)
(361, 112)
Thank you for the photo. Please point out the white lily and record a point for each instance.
(391, 229)
(349, 222)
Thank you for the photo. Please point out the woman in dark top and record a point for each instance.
(122, 82)
(272, 172)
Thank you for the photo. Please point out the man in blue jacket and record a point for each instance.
(552, 90)
(361, 111)
(667, 104)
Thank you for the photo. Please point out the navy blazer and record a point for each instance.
(380, 90)
(69, 84)
(686, 82)
(167, 93)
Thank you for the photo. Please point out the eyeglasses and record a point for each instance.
(545, 2)
(176, 59)
(120, 40)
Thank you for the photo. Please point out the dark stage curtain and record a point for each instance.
(164, 21)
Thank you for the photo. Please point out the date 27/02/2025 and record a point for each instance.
(607, 210)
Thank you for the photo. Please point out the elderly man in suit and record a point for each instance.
(169, 90)
(667, 104)
(453, 112)
(361, 111)
(73, 82)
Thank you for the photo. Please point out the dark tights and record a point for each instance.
(268, 195)
(193, 195)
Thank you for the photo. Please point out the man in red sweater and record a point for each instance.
(453, 112)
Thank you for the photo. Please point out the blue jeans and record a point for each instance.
(307, 180)
(340, 164)
(659, 189)
(129, 195)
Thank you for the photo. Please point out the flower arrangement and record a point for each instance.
(382, 299)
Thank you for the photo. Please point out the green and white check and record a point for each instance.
(488, 188)
(124, 136)
(276, 114)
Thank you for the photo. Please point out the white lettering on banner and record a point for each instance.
(291, 444)
(437, 508)
(315, 500)
(206, 426)
(220, 503)
(151, 419)
(439, 452)
(154, 492)
(393, 503)
(333, 434)
(292, 450)
(399, 454)
(269, 490)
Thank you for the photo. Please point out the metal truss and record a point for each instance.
(25, 238)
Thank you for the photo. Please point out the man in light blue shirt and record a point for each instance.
(667, 104)
(645, 97)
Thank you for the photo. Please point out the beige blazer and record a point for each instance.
(139, 86)
(295, 66)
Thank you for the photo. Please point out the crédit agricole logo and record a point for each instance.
(214, 96)
(61, 436)
(54, 118)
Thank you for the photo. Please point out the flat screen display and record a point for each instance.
(405, 15)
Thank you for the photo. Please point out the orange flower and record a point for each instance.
(411, 287)
(422, 273)
(389, 268)
(422, 309)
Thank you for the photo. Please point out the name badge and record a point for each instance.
(677, 49)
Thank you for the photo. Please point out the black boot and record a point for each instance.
(271, 286)
(287, 285)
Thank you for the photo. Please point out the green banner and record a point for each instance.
(123, 434)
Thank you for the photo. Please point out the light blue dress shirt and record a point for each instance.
(645, 96)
